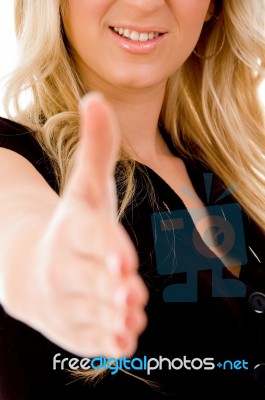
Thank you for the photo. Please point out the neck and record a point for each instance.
(138, 114)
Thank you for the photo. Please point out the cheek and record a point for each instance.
(78, 26)
(190, 14)
(83, 18)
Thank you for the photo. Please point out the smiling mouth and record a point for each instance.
(134, 35)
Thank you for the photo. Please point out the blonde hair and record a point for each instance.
(212, 105)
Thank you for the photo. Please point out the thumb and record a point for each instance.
(92, 176)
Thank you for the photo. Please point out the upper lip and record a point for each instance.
(146, 29)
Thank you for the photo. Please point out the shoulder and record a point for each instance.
(19, 138)
(9, 124)
(12, 132)
(14, 135)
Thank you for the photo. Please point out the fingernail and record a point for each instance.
(113, 263)
(120, 298)
(121, 341)
(90, 97)
(131, 298)
(130, 321)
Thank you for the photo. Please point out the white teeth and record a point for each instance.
(127, 33)
(143, 37)
(136, 36)
(151, 35)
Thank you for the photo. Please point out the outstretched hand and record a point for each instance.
(89, 298)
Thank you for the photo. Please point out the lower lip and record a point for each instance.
(137, 47)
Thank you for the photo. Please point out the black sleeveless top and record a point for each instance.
(206, 328)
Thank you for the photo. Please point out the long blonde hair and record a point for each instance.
(211, 104)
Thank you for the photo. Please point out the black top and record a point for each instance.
(207, 323)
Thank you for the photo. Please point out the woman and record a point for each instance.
(161, 285)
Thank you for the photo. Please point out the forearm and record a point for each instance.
(19, 234)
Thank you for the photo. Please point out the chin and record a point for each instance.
(136, 81)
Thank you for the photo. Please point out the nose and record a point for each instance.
(146, 5)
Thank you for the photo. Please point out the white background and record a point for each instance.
(8, 45)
